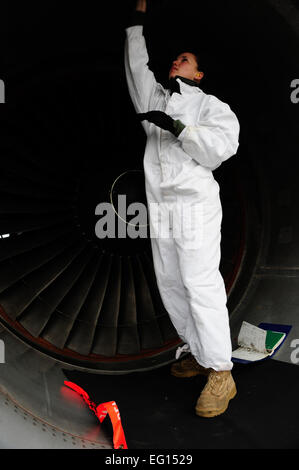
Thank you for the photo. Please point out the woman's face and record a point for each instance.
(185, 65)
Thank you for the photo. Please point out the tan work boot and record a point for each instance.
(188, 368)
(215, 397)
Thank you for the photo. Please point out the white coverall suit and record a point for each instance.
(179, 171)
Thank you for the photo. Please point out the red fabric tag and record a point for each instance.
(101, 411)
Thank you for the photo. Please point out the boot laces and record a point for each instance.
(214, 381)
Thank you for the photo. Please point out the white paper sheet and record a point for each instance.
(252, 337)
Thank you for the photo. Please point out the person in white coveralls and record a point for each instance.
(189, 134)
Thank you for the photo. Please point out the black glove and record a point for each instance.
(137, 19)
(164, 121)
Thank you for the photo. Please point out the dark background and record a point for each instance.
(69, 124)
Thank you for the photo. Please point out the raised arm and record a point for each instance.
(141, 80)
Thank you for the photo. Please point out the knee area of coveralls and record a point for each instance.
(200, 279)
(210, 288)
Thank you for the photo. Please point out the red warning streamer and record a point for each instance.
(101, 411)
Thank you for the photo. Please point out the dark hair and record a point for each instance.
(199, 61)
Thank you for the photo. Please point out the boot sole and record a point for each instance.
(213, 413)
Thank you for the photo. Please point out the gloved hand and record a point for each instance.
(164, 121)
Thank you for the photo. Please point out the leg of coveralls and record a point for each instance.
(167, 270)
(198, 250)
